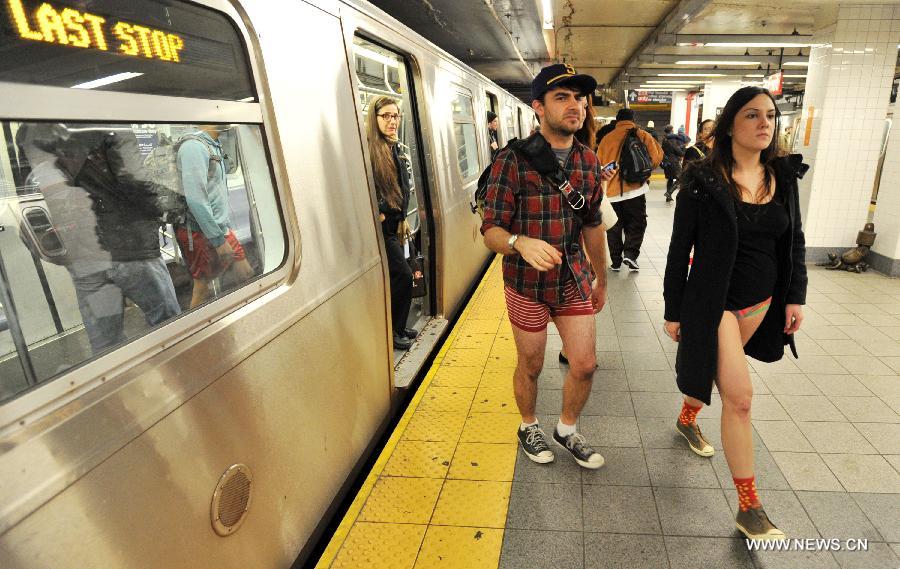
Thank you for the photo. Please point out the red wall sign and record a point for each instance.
(774, 82)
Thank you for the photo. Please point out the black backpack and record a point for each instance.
(634, 160)
(481, 188)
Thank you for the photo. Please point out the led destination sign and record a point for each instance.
(67, 26)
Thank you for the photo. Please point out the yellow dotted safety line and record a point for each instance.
(447, 523)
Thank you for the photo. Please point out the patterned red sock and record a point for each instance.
(746, 489)
(688, 414)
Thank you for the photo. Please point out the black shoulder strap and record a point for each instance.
(536, 150)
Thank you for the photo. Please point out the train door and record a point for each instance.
(384, 81)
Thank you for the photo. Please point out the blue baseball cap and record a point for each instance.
(561, 74)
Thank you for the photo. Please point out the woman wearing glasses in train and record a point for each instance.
(391, 167)
(739, 211)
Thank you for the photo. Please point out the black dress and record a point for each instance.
(756, 262)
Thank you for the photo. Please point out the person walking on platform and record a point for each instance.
(628, 199)
(393, 186)
(673, 152)
(539, 228)
(739, 211)
(697, 152)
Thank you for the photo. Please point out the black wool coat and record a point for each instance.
(706, 219)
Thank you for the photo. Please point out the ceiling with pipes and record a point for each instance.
(634, 44)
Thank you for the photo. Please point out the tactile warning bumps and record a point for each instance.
(377, 546)
(483, 461)
(495, 399)
(457, 376)
(402, 500)
(466, 357)
(460, 548)
(428, 425)
(420, 459)
(491, 428)
(472, 503)
(447, 399)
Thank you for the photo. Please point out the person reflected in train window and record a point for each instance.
(112, 248)
(539, 231)
(391, 166)
(493, 123)
(207, 239)
(742, 295)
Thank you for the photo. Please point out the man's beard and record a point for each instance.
(562, 128)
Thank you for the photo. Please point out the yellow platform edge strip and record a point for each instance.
(340, 534)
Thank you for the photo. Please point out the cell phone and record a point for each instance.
(611, 166)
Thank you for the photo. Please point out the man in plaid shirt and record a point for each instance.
(539, 228)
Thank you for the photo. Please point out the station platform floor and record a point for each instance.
(452, 489)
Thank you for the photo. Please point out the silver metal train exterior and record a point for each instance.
(114, 462)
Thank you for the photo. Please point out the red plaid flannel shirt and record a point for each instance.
(523, 202)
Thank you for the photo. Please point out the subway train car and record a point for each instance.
(143, 424)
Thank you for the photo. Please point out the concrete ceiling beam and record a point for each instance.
(665, 32)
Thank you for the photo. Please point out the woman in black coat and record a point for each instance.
(739, 211)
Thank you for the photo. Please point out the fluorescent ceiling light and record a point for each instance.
(746, 44)
(794, 76)
(673, 82)
(709, 62)
(247, 100)
(754, 75)
(658, 88)
(375, 56)
(107, 80)
(797, 63)
(548, 14)
(691, 75)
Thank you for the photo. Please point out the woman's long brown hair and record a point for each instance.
(721, 158)
(587, 134)
(387, 186)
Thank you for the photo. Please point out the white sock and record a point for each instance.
(564, 429)
(525, 425)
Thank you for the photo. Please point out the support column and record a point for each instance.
(716, 93)
(684, 112)
(885, 255)
(841, 131)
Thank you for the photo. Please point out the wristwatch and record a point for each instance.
(511, 242)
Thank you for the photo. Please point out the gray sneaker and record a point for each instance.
(583, 454)
(756, 525)
(534, 444)
(695, 438)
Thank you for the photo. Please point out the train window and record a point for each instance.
(510, 124)
(158, 47)
(523, 131)
(464, 132)
(114, 229)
